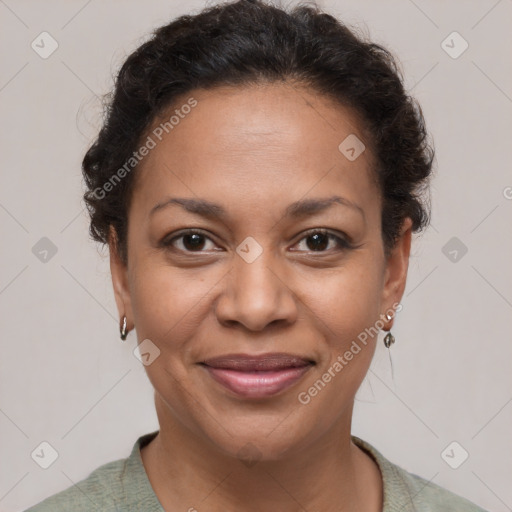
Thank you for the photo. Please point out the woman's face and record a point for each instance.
(259, 278)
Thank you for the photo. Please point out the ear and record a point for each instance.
(119, 271)
(397, 265)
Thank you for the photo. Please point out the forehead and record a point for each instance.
(260, 141)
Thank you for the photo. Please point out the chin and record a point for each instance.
(271, 438)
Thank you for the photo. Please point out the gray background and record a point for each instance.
(67, 379)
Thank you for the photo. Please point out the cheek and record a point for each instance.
(172, 306)
(347, 302)
(345, 309)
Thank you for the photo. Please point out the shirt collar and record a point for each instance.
(397, 493)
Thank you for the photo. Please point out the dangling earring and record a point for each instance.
(123, 330)
(389, 339)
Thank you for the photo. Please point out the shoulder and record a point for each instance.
(120, 485)
(101, 490)
(408, 492)
(431, 497)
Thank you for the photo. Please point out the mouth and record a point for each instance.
(257, 376)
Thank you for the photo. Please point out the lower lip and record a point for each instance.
(257, 384)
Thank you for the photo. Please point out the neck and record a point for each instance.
(330, 474)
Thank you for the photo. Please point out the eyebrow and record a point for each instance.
(302, 208)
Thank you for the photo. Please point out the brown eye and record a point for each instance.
(193, 242)
(318, 241)
(188, 241)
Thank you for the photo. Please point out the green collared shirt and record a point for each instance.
(123, 486)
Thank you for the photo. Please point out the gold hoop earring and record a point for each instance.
(122, 329)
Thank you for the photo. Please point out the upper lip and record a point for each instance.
(261, 362)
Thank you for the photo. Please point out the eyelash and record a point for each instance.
(342, 243)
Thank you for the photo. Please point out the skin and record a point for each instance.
(255, 150)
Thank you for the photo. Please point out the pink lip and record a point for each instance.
(257, 384)
(257, 376)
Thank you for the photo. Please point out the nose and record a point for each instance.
(256, 295)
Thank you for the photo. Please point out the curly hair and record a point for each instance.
(249, 42)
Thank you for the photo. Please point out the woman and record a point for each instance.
(258, 179)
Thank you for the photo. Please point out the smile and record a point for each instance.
(257, 376)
